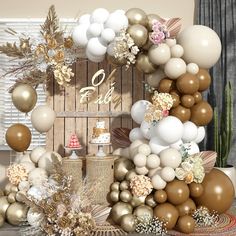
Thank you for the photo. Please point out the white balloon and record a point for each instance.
(175, 67)
(177, 51)
(147, 129)
(201, 45)
(153, 172)
(144, 149)
(35, 192)
(108, 35)
(37, 176)
(200, 134)
(24, 186)
(190, 131)
(93, 58)
(159, 54)
(135, 134)
(140, 160)
(167, 174)
(177, 145)
(95, 47)
(36, 153)
(95, 29)
(138, 110)
(153, 161)
(158, 182)
(29, 166)
(192, 68)
(34, 217)
(171, 42)
(170, 157)
(154, 78)
(169, 129)
(99, 15)
(79, 35)
(117, 22)
(119, 11)
(141, 170)
(133, 148)
(110, 49)
(84, 19)
(42, 118)
(157, 145)
(191, 148)
(25, 158)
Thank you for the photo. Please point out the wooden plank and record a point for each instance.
(81, 120)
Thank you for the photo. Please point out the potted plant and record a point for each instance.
(223, 133)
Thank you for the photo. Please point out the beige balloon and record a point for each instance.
(42, 118)
(159, 54)
(24, 97)
(151, 19)
(136, 16)
(4, 204)
(139, 34)
(144, 64)
(17, 213)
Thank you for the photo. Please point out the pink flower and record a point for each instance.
(165, 113)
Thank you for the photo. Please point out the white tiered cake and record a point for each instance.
(100, 134)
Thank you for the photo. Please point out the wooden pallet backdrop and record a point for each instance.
(74, 117)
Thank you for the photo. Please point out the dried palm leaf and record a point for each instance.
(121, 137)
(11, 50)
(100, 213)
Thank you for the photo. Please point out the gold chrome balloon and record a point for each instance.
(4, 204)
(144, 65)
(121, 167)
(139, 34)
(150, 201)
(151, 19)
(137, 201)
(136, 16)
(127, 223)
(130, 174)
(124, 185)
(11, 198)
(120, 209)
(125, 196)
(1, 220)
(114, 196)
(115, 186)
(7, 188)
(143, 210)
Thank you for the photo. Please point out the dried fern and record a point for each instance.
(11, 50)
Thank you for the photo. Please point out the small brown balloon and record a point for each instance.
(115, 186)
(11, 198)
(137, 201)
(197, 97)
(138, 33)
(186, 224)
(204, 79)
(176, 100)
(196, 189)
(160, 196)
(127, 223)
(168, 213)
(201, 113)
(186, 208)
(114, 196)
(177, 192)
(136, 16)
(130, 174)
(120, 209)
(187, 83)
(2, 220)
(121, 167)
(150, 201)
(4, 204)
(181, 113)
(151, 19)
(144, 65)
(125, 196)
(124, 185)
(175, 92)
(143, 210)
(187, 101)
(166, 85)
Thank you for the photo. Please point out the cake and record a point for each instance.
(100, 134)
(74, 142)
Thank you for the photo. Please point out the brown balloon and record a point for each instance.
(204, 79)
(218, 192)
(177, 192)
(186, 224)
(186, 208)
(144, 65)
(139, 34)
(151, 19)
(150, 201)
(187, 83)
(187, 101)
(201, 113)
(168, 213)
(197, 97)
(175, 92)
(18, 137)
(181, 113)
(160, 196)
(196, 189)
(176, 100)
(121, 167)
(136, 16)
(166, 85)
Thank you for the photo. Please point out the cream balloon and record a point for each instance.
(42, 118)
(29, 166)
(171, 42)
(138, 110)
(153, 161)
(159, 54)
(152, 172)
(190, 131)
(157, 145)
(135, 134)
(158, 182)
(177, 51)
(144, 149)
(36, 153)
(141, 170)
(200, 134)
(168, 174)
(133, 148)
(170, 157)
(192, 68)
(175, 67)
(201, 45)
(140, 160)
(95, 29)
(154, 78)
(37, 176)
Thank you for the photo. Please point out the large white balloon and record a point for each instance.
(95, 47)
(191, 148)
(157, 145)
(95, 29)
(169, 129)
(200, 134)
(175, 67)
(147, 129)
(36, 153)
(158, 182)
(190, 131)
(93, 58)
(117, 21)
(138, 110)
(42, 118)
(177, 51)
(170, 157)
(201, 45)
(108, 35)
(99, 15)
(153, 161)
(84, 19)
(159, 54)
(135, 134)
(154, 78)
(79, 35)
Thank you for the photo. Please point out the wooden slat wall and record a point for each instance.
(129, 84)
